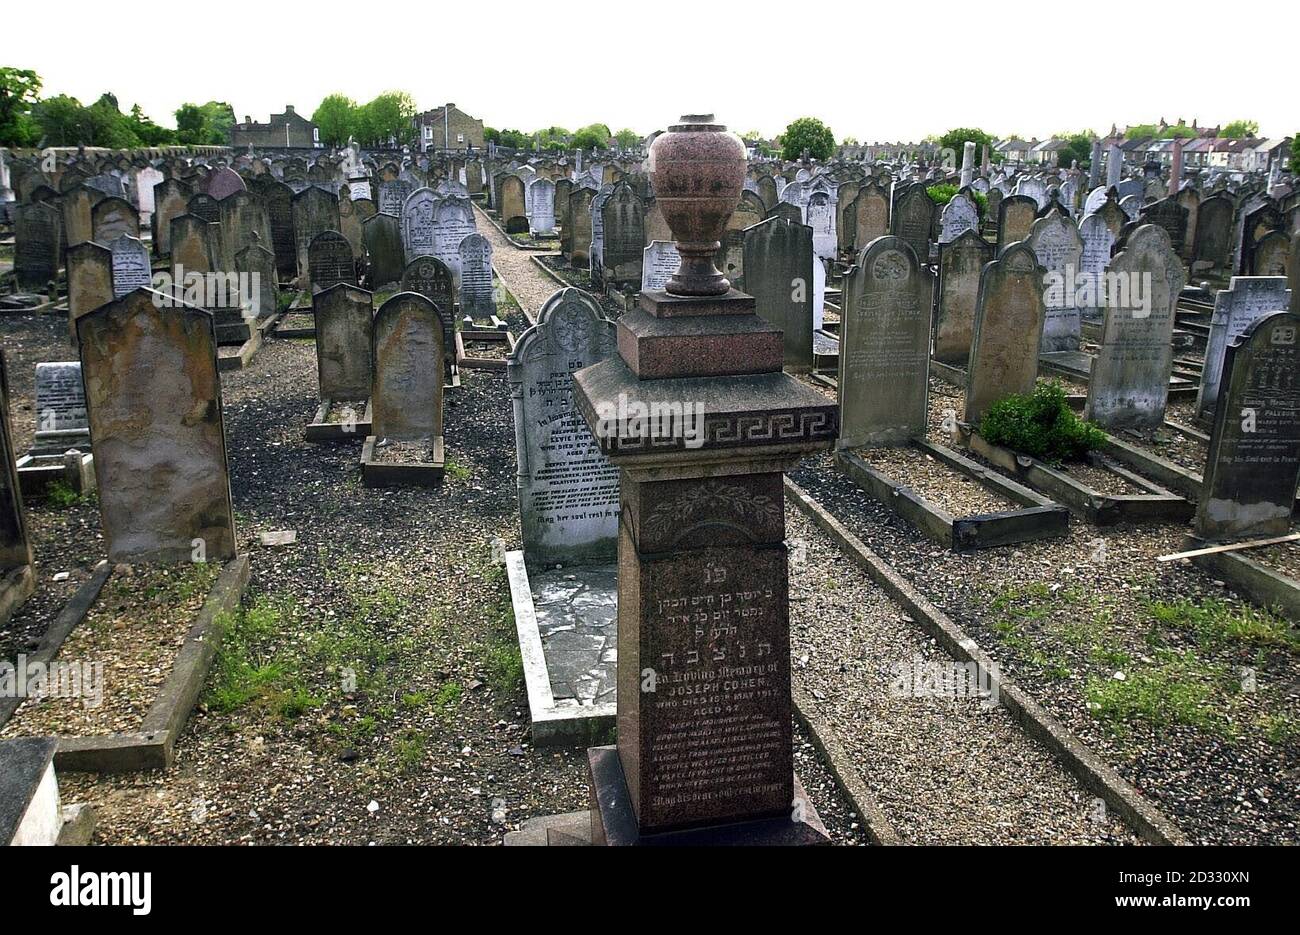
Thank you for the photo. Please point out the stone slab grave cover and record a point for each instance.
(477, 295)
(1056, 242)
(780, 256)
(132, 268)
(406, 361)
(1253, 464)
(154, 402)
(1246, 300)
(1009, 317)
(330, 261)
(703, 588)
(1130, 375)
(659, 263)
(17, 577)
(960, 263)
(568, 511)
(343, 315)
(884, 347)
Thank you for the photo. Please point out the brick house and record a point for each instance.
(448, 128)
(288, 130)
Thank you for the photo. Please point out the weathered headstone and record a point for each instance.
(477, 296)
(779, 256)
(1055, 241)
(960, 264)
(958, 216)
(330, 261)
(113, 217)
(512, 211)
(872, 210)
(406, 363)
(90, 281)
(343, 322)
(1130, 375)
(314, 212)
(17, 580)
(912, 220)
(1016, 214)
(418, 223)
(1008, 329)
(430, 277)
(884, 347)
(1246, 300)
(154, 401)
(36, 246)
(1253, 464)
(568, 490)
(385, 256)
(659, 263)
(453, 221)
(131, 267)
(623, 239)
(541, 220)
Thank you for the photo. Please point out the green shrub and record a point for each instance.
(942, 194)
(1041, 425)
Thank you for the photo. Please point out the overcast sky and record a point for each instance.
(875, 74)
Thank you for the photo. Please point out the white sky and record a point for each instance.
(863, 69)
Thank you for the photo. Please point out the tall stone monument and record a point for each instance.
(702, 423)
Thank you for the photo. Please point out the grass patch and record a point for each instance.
(1216, 623)
(1178, 689)
(242, 673)
(455, 470)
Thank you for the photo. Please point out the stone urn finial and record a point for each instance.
(698, 172)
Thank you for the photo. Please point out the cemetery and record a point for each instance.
(449, 485)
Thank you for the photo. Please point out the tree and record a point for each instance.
(1078, 149)
(1147, 131)
(18, 90)
(386, 118)
(204, 124)
(592, 136)
(955, 141)
(336, 116)
(148, 132)
(1295, 153)
(1240, 129)
(63, 121)
(628, 139)
(807, 133)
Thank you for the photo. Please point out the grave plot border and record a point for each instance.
(562, 722)
(1261, 585)
(415, 474)
(1039, 517)
(494, 335)
(319, 430)
(1094, 773)
(550, 247)
(36, 472)
(153, 746)
(249, 348)
(1100, 509)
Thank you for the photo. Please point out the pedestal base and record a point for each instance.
(613, 821)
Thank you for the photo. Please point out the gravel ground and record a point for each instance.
(1065, 617)
(945, 770)
(934, 481)
(371, 691)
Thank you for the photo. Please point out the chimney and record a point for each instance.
(288, 108)
(247, 119)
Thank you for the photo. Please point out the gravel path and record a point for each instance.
(529, 285)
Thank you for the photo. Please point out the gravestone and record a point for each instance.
(131, 266)
(453, 222)
(659, 263)
(314, 212)
(406, 361)
(352, 213)
(820, 216)
(958, 216)
(1246, 300)
(224, 181)
(1130, 374)
(913, 220)
(541, 220)
(1253, 464)
(343, 323)
(278, 199)
(477, 298)
(75, 208)
(60, 401)
(960, 264)
(17, 580)
(257, 265)
(385, 256)
(1168, 214)
(170, 198)
(1271, 254)
(872, 210)
(244, 221)
(575, 236)
(90, 281)
(418, 223)
(195, 245)
(430, 277)
(512, 211)
(154, 401)
(330, 261)
(1008, 328)
(392, 196)
(623, 236)
(36, 246)
(1055, 241)
(1016, 215)
(780, 256)
(1097, 241)
(568, 490)
(113, 217)
(884, 347)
